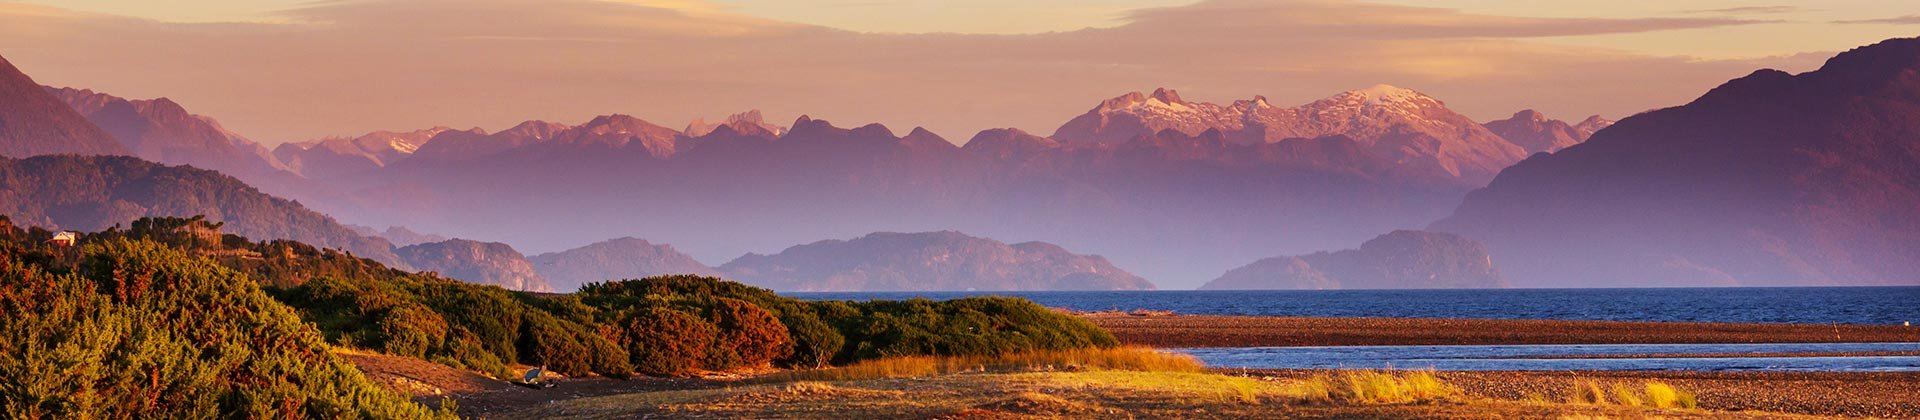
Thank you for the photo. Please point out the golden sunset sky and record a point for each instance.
(289, 70)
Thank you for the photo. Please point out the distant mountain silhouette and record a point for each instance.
(342, 156)
(1400, 260)
(1536, 133)
(476, 262)
(1769, 179)
(614, 259)
(741, 122)
(741, 187)
(162, 131)
(929, 261)
(91, 193)
(401, 236)
(33, 122)
(1591, 125)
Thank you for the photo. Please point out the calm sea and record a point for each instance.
(1803, 305)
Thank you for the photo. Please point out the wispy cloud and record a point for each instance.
(1365, 20)
(1900, 20)
(1749, 10)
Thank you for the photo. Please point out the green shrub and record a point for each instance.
(143, 331)
(411, 330)
(976, 326)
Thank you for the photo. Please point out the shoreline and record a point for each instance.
(1186, 331)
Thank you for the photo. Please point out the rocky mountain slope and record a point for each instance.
(476, 262)
(160, 130)
(33, 122)
(929, 261)
(1401, 125)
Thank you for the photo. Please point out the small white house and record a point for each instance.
(64, 238)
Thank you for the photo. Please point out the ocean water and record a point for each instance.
(1798, 305)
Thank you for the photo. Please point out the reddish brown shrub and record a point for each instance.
(665, 342)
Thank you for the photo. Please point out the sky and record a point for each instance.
(291, 70)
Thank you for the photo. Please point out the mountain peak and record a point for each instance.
(614, 122)
(1530, 115)
(1167, 95)
(737, 123)
(1128, 100)
(1388, 94)
(874, 130)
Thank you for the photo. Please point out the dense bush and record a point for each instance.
(748, 336)
(143, 331)
(813, 341)
(569, 348)
(961, 327)
(665, 342)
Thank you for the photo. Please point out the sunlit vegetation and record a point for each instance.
(1386, 387)
(664, 326)
(135, 329)
(961, 387)
(1121, 358)
(1652, 394)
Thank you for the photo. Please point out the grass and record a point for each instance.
(1177, 374)
(1095, 383)
(1079, 394)
(1386, 387)
(1140, 359)
(1651, 394)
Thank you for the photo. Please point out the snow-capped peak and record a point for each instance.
(402, 146)
(1389, 94)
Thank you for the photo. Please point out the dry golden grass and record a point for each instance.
(1374, 387)
(1113, 394)
(1377, 387)
(1651, 394)
(1140, 359)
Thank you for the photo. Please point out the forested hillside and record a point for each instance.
(90, 193)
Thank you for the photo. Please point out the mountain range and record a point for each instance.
(339, 156)
(1354, 165)
(1771, 179)
(160, 130)
(1400, 125)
